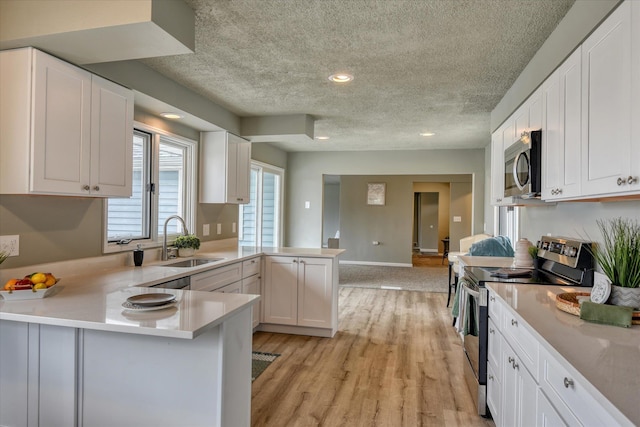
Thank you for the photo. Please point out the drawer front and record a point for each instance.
(216, 278)
(549, 416)
(251, 267)
(565, 391)
(516, 332)
(495, 348)
(494, 389)
(495, 307)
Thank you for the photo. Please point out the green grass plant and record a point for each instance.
(619, 254)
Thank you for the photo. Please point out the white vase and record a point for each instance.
(627, 297)
(522, 259)
(186, 252)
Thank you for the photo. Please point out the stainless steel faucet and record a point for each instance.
(164, 237)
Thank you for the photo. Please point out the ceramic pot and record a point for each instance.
(186, 252)
(628, 297)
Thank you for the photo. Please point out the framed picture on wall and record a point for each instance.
(376, 192)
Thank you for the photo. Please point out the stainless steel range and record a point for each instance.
(565, 262)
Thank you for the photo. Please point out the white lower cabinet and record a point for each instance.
(301, 292)
(215, 279)
(251, 285)
(519, 403)
(530, 386)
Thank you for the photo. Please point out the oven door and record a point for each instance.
(475, 330)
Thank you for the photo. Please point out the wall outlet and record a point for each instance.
(457, 219)
(219, 228)
(10, 244)
(205, 230)
(307, 204)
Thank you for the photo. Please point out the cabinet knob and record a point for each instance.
(96, 188)
(492, 331)
(514, 322)
(559, 190)
(568, 382)
(620, 181)
(295, 261)
(490, 377)
(631, 180)
(301, 261)
(86, 188)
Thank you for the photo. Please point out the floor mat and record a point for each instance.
(259, 362)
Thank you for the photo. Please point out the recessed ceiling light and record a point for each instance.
(341, 78)
(322, 138)
(427, 133)
(171, 115)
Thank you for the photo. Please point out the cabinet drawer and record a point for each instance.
(251, 267)
(494, 389)
(569, 396)
(495, 307)
(518, 334)
(495, 348)
(216, 278)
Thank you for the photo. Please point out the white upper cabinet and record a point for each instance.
(561, 134)
(611, 105)
(64, 130)
(225, 167)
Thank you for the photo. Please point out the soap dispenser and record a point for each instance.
(138, 256)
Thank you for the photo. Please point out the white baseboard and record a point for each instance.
(385, 264)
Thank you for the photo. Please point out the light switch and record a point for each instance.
(307, 204)
(233, 227)
(457, 219)
(205, 230)
(219, 228)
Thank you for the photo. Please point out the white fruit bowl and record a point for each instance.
(27, 293)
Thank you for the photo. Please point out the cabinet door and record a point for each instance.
(494, 389)
(315, 291)
(547, 414)
(61, 127)
(497, 168)
(111, 139)
(243, 171)
(251, 285)
(561, 138)
(234, 288)
(281, 290)
(608, 158)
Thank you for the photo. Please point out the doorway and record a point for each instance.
(427, 207)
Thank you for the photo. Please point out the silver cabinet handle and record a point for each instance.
(631, 180)
(295, 260)
(514, 322)
(301, 261)
(96, 188)
(490, 377)
(492, 298)
(511, 360)
(568, 382)
(86, 188)
(620, 181)
(492, 331)
(514, 365)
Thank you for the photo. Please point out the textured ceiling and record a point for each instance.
(419, 65)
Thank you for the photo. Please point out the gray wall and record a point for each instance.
(461, 206)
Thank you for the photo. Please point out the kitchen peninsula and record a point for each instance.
(78, 358)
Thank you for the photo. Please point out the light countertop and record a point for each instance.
(606, 356)
(93, 298)
(485, 261)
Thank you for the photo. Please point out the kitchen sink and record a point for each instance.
(194, 262)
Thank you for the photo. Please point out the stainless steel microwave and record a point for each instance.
(522, 169)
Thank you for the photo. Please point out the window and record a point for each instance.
(163, 185)
(509, 223)
(261, 219)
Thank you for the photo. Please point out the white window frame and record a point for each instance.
(265, 167)
(188, 187)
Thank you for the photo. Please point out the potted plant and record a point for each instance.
(187, 244)
(619, 259)
(533, 251)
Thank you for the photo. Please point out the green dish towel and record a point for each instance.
(606, 314)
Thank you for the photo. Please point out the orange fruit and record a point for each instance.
(10, 285)
(51, 280)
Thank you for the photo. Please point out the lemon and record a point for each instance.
(38, 278)
(40, 286)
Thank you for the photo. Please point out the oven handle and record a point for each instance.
(473, 293)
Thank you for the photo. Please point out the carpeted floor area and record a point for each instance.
(259, 362)
(427, 275)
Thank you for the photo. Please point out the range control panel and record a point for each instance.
(571, 252)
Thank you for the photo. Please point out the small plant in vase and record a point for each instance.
(619, 259)
(533, 251)
(187, 245)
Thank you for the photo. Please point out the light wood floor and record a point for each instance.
(396, 361)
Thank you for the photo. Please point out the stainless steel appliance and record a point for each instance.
(566, 262)
(522, 169)
(183, 283)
